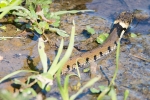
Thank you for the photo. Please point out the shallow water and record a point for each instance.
(133, 72)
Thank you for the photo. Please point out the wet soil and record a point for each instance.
(134, 70)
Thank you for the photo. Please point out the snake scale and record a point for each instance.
(121, 24)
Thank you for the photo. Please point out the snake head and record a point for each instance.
(124, 19)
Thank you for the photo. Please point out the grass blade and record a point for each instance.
(67, 54)
(16, 72)
(59, 82)
(8, 8)
(72, 12)
(126, 93)
(53, 66)
(117, 64)
(113, 94)
(100, 97)
(42, 54)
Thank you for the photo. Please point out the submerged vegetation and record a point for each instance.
(37, 18)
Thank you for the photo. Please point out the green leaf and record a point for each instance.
(3, 3)
(14, 73)
(45, 8)
(112, 93)
(29, 90)
(38, 30)
(44, 25)
(43, 56)
(19, 13)
(69, 50)
(102, 37)
(12, 1)
(102, 88)
(104, 92)
(85, 70)
(5, 10)
(21, 10)
(56, 18)
(7, 95)
(126, 93)
(56, 15)
(45, 80)
(66, 87)
(133, 35)
(56, 23)
(90, 30)
(60, 32)
(63, 90)
(32, 11)
(59, 80)
(53, 66)
(42, 2)
(67, 54)
(93, 90)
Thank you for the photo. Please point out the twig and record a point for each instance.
(1, 38)
(140, 57)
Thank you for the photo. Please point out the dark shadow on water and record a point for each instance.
(83, 94)
(86, 34)
(36, 36)
(105, 75)
(149, 7)
(31, 64)
(15, 87)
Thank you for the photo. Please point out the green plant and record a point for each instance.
(64, 89)
(37, 10)
(90, 30)
(47, 75)
(102, 37)
(126, 93)
(16, 72)
(6, 6)
(6, 95)
(133, 35)
(45, 79)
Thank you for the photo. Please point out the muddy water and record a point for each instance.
(134, 71)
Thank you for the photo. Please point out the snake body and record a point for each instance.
(121, 24)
